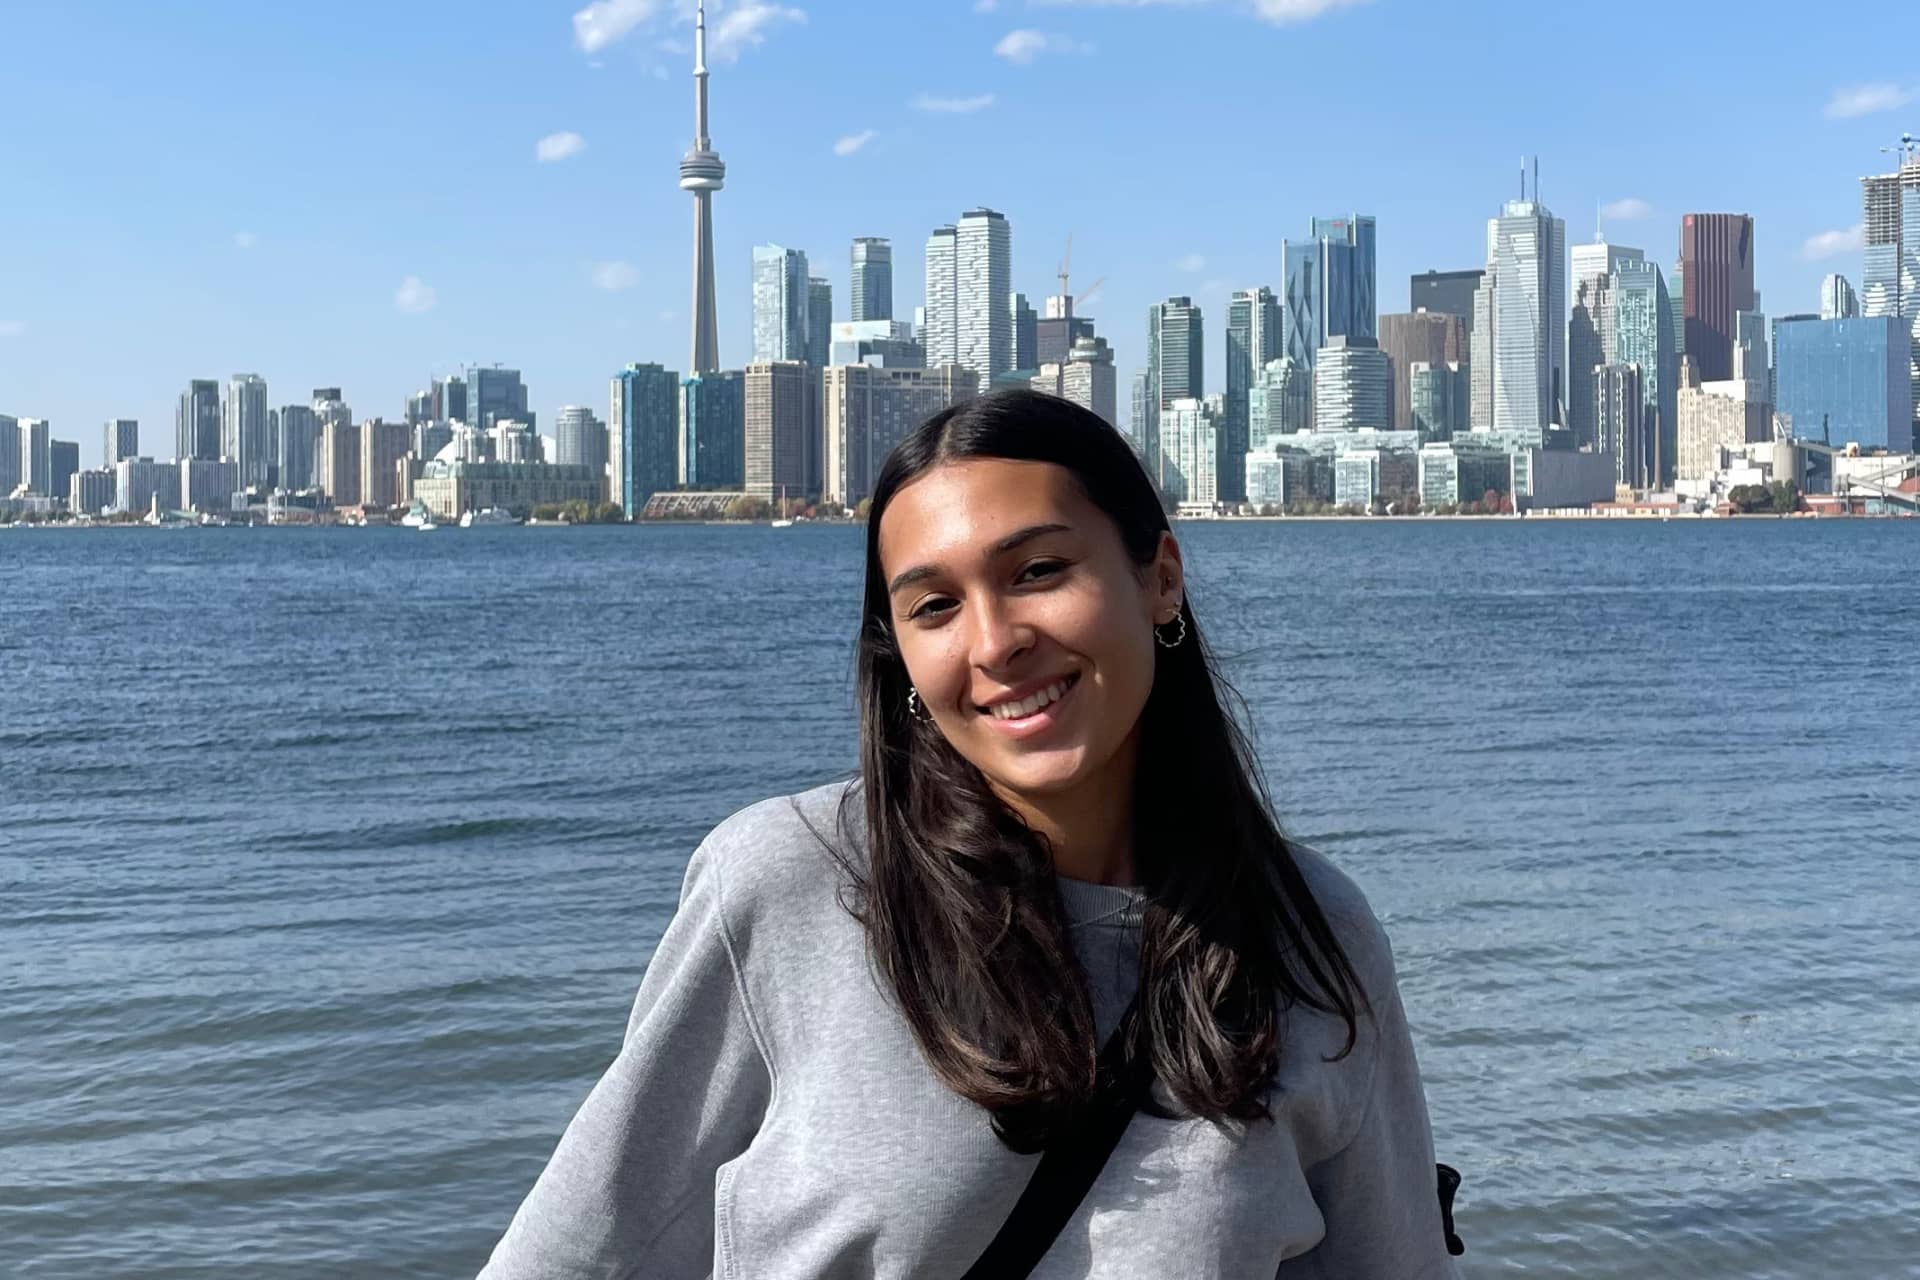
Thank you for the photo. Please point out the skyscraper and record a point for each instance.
(780, 304)
(1837, 299)
(340, 463)
(1527, 269)
(1590, 330)
(1644, 336)
(819, 321)
(942, 326)
(1716, 263)
(1026, 331)
(1621, 425)
(983, 288)
(296, 433)
(243, 429)
(1253, 339)
(1190, 444)
(1890, 274)
(870, 287)
(1280, 402)
(32, 446)
(495, 395)
(580, 439)
(450, 399)
(382, 445)
(122, 441)
(702, 173)
(781, 409)
(1328, 285)
(64, 459)
(196, 422)
(1432, 338)
(643, 419)
(1090, 381)
(1445, 292)
(1846, 381)
(1176, 364)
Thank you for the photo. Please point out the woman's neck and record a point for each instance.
(1089, 829)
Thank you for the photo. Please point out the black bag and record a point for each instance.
(1070, 1165)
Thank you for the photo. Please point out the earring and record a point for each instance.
(1179, 637)
(914, 707)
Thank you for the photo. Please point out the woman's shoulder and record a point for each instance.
(781, 852)
(1351, 917)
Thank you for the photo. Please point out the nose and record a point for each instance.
(999, 636)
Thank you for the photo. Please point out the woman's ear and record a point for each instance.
(1166, 581)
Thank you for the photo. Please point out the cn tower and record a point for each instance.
(702, 173)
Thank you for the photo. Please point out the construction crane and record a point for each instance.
(1066, 262)
(1906, 147)
(1092, 291)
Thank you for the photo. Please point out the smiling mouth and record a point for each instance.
(1033, 703)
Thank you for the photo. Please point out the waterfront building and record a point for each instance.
(940, 327)
(1622, 423)
(819, 321)
(244, 434)
(64, 460)
(713, 431)
(451, 487)
(1362, 474)
(642, 434)
(1439, 396)
(32, 448)
(983, 269)
(1254, 340)
(1190, 450)
(1527, 311)
(9, 454)
(206, 484)
(91, 493)
(1138, 420)
(1714, 416)
(1846, 381)
(137, 480)
(429, 438)
(340, 463)
(1716, 263)
(1590, 331)
(580, 439)
(496, 394)
(1837, 299)
(1462, 470)
(1890, 274)
(870, 286)
(296, 429)
(780, 415)
(869, 409)
(702, 174)
(1643, 334)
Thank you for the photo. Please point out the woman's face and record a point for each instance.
(1024, 625)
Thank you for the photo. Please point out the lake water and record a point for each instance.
(330, 861)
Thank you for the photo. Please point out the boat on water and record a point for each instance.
(418, 517)
(781, 520)
(487, 517)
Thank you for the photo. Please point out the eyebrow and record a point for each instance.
(1019, 537)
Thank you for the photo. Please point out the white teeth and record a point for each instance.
(1027, 706)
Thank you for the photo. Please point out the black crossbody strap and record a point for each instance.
(1066, 1173)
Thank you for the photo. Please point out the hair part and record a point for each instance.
(958, 897)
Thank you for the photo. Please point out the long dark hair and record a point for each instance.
(958, 897)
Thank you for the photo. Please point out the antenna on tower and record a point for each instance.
(1536, 178)
(1066, 261)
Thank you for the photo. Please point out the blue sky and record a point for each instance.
(354, 192)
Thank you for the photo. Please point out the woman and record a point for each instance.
(878, 1001)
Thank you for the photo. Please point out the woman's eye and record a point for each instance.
(1041, 569)
(931, 607)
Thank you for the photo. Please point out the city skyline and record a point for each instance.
(401, 283)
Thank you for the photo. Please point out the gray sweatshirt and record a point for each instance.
(769, 1116)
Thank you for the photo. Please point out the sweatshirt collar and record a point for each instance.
(1086, 903)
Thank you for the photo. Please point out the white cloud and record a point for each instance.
(1284, 12)
(1625, 209)
(952, 106)
(1867, 99)
(12, 328)
(854, 141)
(1829, 243)
(615, 276)
(1026, 44)
(558, 146)
(1192, 262)
(245, 239)
(747, 25)
(673, 44)
(414, 296)
(606, 21)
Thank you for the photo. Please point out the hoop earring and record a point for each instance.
(1179, 638)
(915, 709)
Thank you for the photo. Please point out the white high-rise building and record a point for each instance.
(245, 436)
(1526, 263)
(940, 323)
(983, 288)
(1837, 299)
(1352, 386)
(33, 447)
(1189, 446)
